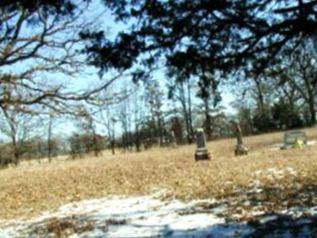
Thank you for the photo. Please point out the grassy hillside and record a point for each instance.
(277, 178)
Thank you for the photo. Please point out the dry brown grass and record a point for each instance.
(29, 189)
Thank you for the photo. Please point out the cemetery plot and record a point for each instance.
(260, 195)
(294, 139)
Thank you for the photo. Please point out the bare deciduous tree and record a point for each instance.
(18, 128)
(41, 53)
(299, 71)
(181, 90)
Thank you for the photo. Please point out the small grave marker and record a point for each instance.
(201, 151)
(294, 139)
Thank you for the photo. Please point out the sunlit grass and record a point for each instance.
(33, 187)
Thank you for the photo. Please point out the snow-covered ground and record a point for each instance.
(148, 216)
(144, 216)
(279, 145)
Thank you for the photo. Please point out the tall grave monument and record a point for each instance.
(240, 148)
(201, 151)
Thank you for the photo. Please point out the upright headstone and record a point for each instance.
(240, 149)
(201, 151)
(294, 139)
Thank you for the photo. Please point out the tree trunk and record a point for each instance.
(207, 120)
(49, 140)
(260, 97)
(190, 116)
(112, 148)
(312, 111)
(186, 106)
(137, 139)
(16, 153)
(187, 120)
(113, 143)
(160, 128)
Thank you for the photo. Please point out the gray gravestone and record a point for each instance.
(201, 151)
(240, 149)
(294, 138)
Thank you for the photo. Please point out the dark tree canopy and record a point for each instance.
(62, 7)
(198, 36)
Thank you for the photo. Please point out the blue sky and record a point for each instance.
(88, 77)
